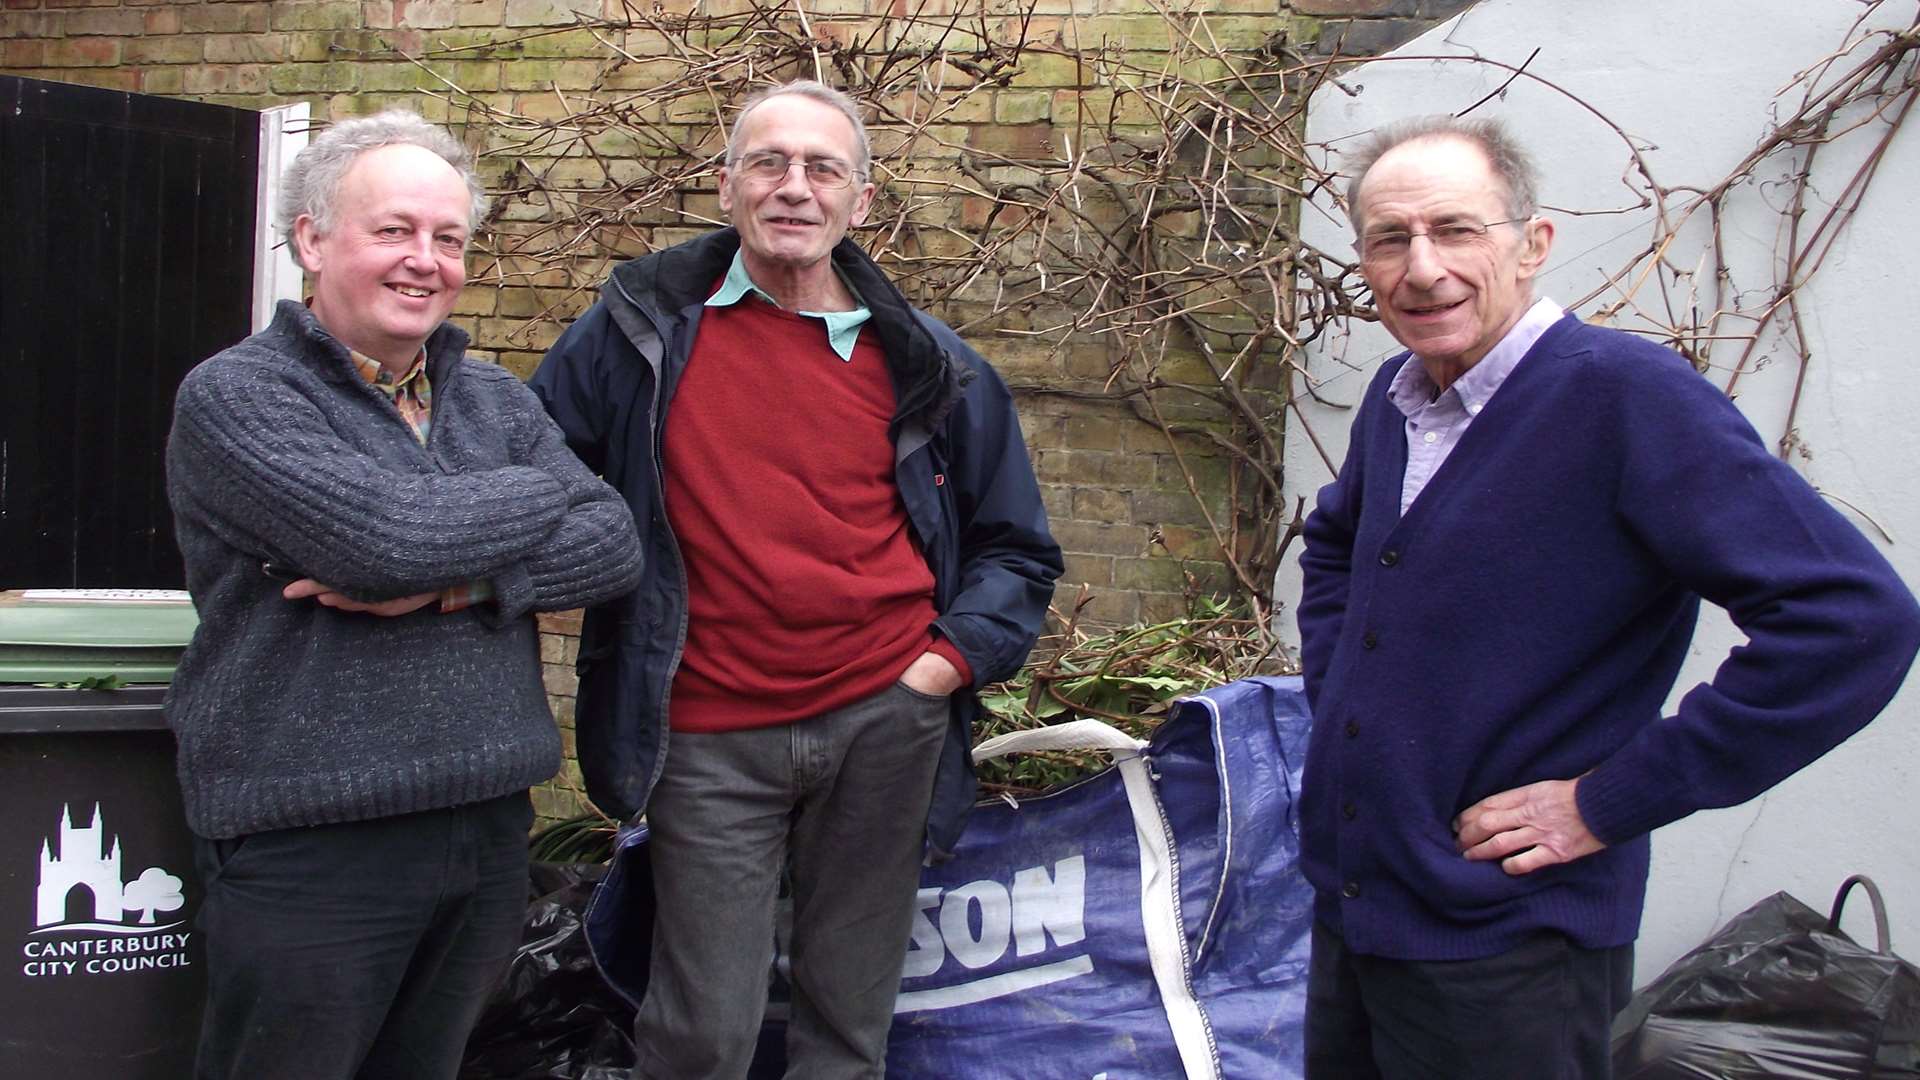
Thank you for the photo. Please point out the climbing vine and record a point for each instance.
(1140, 241)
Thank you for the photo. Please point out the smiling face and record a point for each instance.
(386, 273)
(1452, 304)
(788, 228)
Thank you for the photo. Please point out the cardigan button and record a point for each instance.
(1368, 640)
(1351, 890)
(1389, 557)
(1353, 730)
(1349, 811)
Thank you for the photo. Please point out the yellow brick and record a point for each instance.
(326, 15)
(524, 364)
(1021, 106)
(162, 50)
(236, 79)
(224, 19)
(482, 12)
(548, 12)
(550, 74)
(245, 48)
(625, 75)
(476, 300)
(84, 52)
(563, 44)
(520, 333)
(526, 303)
(119, 23)
(124, 79)
(166, 81)
(1053, 69)
(432, 14)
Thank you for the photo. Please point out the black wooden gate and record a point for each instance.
(126, 256)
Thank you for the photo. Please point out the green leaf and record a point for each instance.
(91, 682)
(1153, 682)
(1048, 707)
(1006, 704)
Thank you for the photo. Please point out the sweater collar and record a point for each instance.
(1412, 389)
(926, 381)
(843, 327)
(294, 320)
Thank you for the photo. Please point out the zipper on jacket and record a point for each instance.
(655, 435)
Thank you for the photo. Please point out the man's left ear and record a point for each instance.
(1539, 241)
(862, 205)
(305, 242)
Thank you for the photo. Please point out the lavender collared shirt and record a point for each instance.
(1435, 422)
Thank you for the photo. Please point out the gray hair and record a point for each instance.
(311, 185)
(1510, 162)
(818, 91)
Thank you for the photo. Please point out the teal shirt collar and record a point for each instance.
(843, 327)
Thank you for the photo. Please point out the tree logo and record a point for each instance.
(89, 919)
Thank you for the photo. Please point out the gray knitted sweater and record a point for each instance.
(290, 713)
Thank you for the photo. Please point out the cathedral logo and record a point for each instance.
(90, 919)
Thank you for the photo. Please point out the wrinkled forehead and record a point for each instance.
(405, 178)
(1437, 178)
(795, 123)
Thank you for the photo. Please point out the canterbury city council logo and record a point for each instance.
(89, 919)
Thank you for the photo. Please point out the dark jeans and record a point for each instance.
(845, 795)
(360, 951)
(1541, 1010)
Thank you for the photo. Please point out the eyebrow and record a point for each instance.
(794, 157)
(1394, 223)
(402, 217)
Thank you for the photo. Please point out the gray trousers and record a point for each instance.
(842, 798)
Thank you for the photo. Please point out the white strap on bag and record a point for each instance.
(1159, 876)
(1075, 735)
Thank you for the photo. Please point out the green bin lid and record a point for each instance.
(69, 635)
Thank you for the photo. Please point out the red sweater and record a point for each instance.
(806, 590)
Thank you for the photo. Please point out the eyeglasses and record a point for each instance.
(770, 167)
(1391, 246)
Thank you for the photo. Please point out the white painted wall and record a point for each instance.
(1696, 82)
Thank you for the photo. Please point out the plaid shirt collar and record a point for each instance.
(376, 375)
(411, 393)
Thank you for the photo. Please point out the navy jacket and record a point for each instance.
(1525, 621)
(960, 462)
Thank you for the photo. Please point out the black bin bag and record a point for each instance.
(1779, 992)
(552, 1017)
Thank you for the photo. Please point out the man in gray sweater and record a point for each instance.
(369, 520)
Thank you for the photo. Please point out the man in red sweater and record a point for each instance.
(844, 539)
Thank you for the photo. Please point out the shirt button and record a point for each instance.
(1368, 641)
(1351, 890)
(1349, 811)
(1389, 557)
(1353, 730)
(1430, 437)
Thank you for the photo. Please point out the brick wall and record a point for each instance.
(1117, 494)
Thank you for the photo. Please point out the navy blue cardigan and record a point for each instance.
(1526, 620)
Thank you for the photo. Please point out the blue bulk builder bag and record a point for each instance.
(1147, 923)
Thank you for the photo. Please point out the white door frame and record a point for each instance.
(276, 277)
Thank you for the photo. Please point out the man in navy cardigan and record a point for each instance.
(1499, 590)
